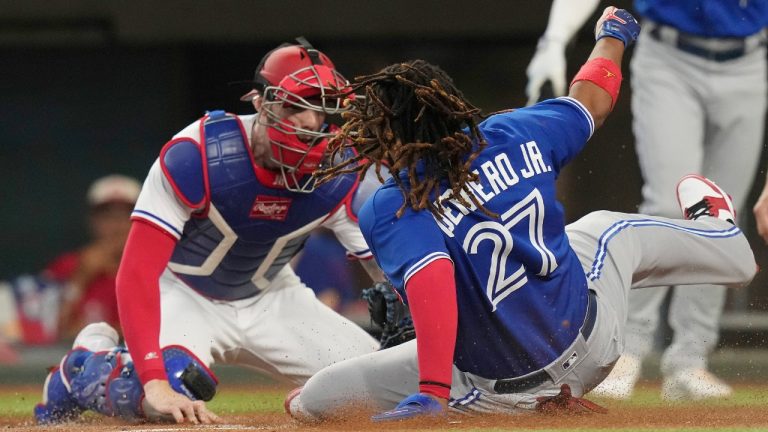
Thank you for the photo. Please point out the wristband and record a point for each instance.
(602, 72)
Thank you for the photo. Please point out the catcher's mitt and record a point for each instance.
(389, 314)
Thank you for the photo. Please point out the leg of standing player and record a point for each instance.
(735, 103)
(668, 124)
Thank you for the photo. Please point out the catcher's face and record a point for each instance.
(303, 124)
(291, 139)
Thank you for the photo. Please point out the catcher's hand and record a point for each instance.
(389, 314)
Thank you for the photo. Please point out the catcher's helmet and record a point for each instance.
(305, 78)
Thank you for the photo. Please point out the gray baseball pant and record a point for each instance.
(617, 251)
(691, 116)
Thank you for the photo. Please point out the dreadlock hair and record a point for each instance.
(412, 113)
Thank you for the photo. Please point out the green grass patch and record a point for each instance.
(18, 403)
(235, 401)
(243, 402)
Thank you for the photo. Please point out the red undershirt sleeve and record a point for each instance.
(432, 300)
(147, 252)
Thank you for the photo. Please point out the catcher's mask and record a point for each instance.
(301, 77)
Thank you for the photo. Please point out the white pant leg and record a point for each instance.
(203, 326)
(735, 100)
(668, 122)
(375, 381)
(290, 334)
(694, 316)
(639, 251)
(643, 320)
(284, 331)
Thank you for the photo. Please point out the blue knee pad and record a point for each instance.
(125, 392)
(187, 374)
(107, 383)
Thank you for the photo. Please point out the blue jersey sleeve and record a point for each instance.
(401, 246)
(561, 126)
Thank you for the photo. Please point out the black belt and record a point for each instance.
(527, 382)
(732, 48)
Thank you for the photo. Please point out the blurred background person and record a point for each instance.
(88, 274)
(698, 78)
(77, 287)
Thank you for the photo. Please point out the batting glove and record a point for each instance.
(415, 405)
(618, 24)
(547, 64)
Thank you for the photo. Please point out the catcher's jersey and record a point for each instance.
(237, 229)
(521, 291)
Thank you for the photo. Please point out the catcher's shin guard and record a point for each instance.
(108, 384)
(58, 405)
(188, 375)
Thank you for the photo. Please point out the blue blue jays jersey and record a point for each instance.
(521, 291)
(708, 18)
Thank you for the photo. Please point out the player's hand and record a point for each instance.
(415, 405)
(761, 214)
(164, 401)
(618, 24)
(547, 64)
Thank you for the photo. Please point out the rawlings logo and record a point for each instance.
(270, 208)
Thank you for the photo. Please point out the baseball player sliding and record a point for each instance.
(513, 310)
(204, 277)
(698, 105)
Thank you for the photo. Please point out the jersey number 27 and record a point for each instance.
(500, 285)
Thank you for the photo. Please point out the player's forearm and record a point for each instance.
(432, 300)
(594, 92)
(146, 255)
(597, 83)
(373, 270)
(566, 17)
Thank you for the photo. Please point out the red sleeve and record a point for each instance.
(147, 252)
(432, 300)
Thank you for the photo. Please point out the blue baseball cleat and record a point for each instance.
(58, 404)
(415, 405)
